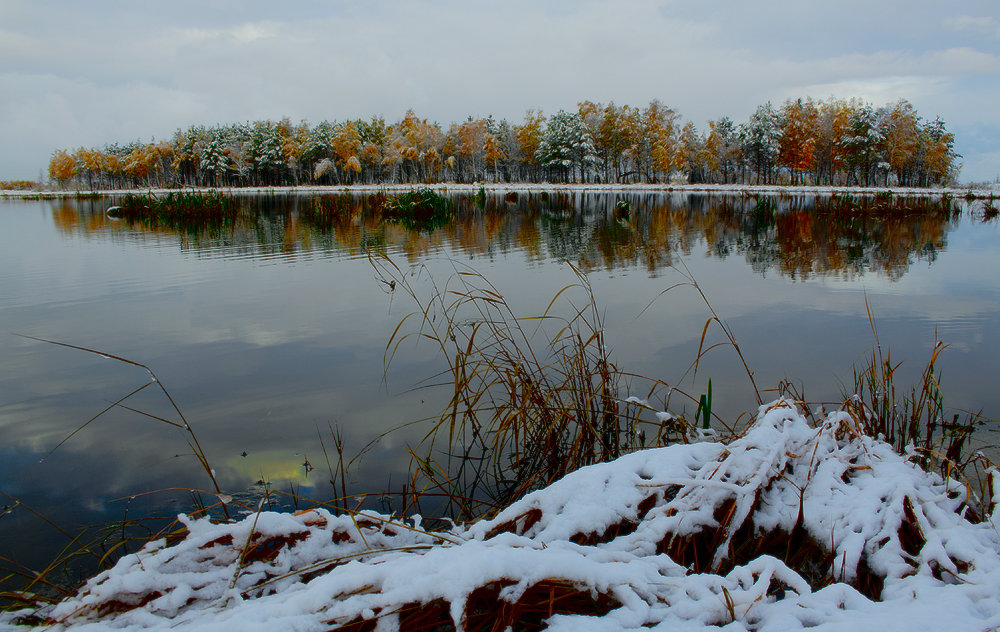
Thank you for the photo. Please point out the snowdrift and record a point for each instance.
(790, 526)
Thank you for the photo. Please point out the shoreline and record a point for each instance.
(719, 189)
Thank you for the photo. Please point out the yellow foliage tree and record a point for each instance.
(62, 167)
(797, 144)
(529, 136)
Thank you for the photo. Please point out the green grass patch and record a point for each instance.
(420, 209)
(192, 205)
(188, 212)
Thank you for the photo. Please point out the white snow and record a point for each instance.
(607, 530)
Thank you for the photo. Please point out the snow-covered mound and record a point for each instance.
(790, 526)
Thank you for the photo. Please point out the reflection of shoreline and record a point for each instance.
(723, 189)
(800, 236)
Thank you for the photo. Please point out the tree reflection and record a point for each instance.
(797, 236)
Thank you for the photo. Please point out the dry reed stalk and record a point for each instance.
(183, 424)
(521, 413)
(914, 417)
(98, 548)
(727, 331)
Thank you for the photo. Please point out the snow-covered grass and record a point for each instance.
(795, 524)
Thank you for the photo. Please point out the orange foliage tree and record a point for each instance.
(797, 143)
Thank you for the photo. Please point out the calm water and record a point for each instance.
(270, 330)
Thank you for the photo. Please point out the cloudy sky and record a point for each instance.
(88, 73)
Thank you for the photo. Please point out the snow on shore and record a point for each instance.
(721, 189)
(687, 537)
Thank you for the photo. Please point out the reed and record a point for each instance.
(86, 550)
(705, 402)
(420, 209)
(176, 208)
(532, 398)
(915, 421)
(911, 417)
(181, 423)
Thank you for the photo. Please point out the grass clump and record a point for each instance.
(38, 196)
(175, 207)
(420, 209)
(913, 418)
(522, 413)
(185, 212)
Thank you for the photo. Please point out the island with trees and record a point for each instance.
(832, 142)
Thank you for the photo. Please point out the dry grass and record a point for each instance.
(522, 413)
(912, 417)
(89, 547)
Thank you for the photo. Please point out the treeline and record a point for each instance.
(834, 142)
(17, 185)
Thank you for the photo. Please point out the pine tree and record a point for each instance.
(761, 136)
(567, 145)
(862, 144)
(213, 159)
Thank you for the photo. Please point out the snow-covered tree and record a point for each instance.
(862, 144)
(214, 162)
(761, 136)
(938, 155)
(264, 150)
(567, 145)
(723, 147)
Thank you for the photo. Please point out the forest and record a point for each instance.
(803, 142)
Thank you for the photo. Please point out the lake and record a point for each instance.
(270, 331)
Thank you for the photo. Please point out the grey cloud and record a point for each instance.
(94, 73)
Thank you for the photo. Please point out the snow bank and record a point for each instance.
(790, 526)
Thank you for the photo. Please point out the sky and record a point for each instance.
(90, 73)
